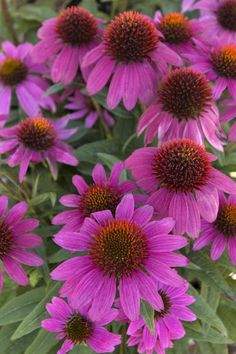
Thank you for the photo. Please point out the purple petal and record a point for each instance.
(129, 297)
(15, 271)
(125, 209)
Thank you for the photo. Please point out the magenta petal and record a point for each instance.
(164, 273)
(16, 213)
(15, 271)
(1, 280)
(80, 184)
(99, 174)
(3, 205)
(66, 65)
(143, 215)
(5, 101)
(223, 182)
(129, 297)
(53, 325)
(116, 173)
(26, 257)
(66, 347)
(104, 299)
(125, 209)
(102, 341)
(100, 74)
(232, 250)
(218, 247)
(148, 290)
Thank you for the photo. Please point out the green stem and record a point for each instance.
(101, 118)
(8, 21)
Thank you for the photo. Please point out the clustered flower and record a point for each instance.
(125, 236)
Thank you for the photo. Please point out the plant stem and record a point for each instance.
(101, 118)
(8, 21)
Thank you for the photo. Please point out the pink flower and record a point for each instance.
(66, 39)
(76, 325)
(17, 72)
(227, 115)
(167, 324)
(14, 238)
(35, 140)
(179, 33)
(218, 62)
(184, 108)
(132, 55)
(123, 254)
(181, 182)
(84, 108)
(221, 232)
(103, 194)
(219, 18)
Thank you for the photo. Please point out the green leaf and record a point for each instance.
(41, 198)
(205, 313)
(60, 256)
(32, 320)
(19, 346)
(209, 348)
(89, 152)
(212, 273)
(148, 314)
(228, 315)
(42, 343)
(19, 307)
(54, 89)
(210, 336)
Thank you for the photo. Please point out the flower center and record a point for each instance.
(224, 61)
(98, 198)
(5, 239)
(130, 37)
(226, 220)
(185, 93)
(226, 15)
(78, 329)
(167, 305)
(36, 134)
(176, 28)
(119, 248)
(12, 72)
(76, 26)
(181, 166)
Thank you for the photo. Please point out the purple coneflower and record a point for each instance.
(84, 108)
(179, 33)
(17, 72)
(221, 232)
(37, 139)
(14, 238)
(125, 251)
(131, 51)
(218, 62)
(184, 108)
(66, 39)
(228, 114)
(103, 194)
(181, 182)
(219, 16)
(76, 325)
(167, 324)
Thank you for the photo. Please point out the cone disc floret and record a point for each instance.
(181, 166)
(226, 15)
(185, 93)
(119, 248)
(78, 328)
(226, 220)
(224, 61)
(12, 72)
(36, 133)
(76, 26)
(176, 28)
(130, 37)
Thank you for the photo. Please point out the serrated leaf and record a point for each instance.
(16, 309)
(32, 320)
(205, 313)
(43, 342)
(148, 314)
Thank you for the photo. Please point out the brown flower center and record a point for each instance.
(176, 28)
(5, 239)
(226, 15)
(12, 72)
(78, 329)
(224, 61)
(226, 220)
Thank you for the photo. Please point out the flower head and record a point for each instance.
(219, 16)
(14, 239)
(221, 232)
(184, 108)
(177, 31)
(35, 140)
(181, 182)
(130, 50)
(83, 107)
(124, 250)
(167, 324)
(218, 62)
(19, 74)
(103, 194)
(76, 325)
(66, 39)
